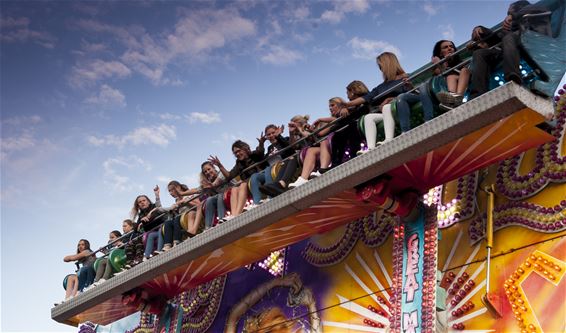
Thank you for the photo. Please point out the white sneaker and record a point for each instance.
(383, 142)
(315, 174)
(89, 287)
(264, 200)
(250, 207)
(300, 181)
(145, 259)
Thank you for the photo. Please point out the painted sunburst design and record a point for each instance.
(373, 317)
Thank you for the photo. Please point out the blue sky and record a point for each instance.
(102, 101)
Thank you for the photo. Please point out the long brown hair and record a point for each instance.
(136, 209)
(390, 66)
(87, 243)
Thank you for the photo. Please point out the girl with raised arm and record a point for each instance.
(245, 158)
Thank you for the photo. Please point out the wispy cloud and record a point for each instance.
(342, 8)
(14, 30)
(22, 120)
(207, 118)
(278, 55)
(118, 181)
(369, 49)
(107, 97)
(158, 135)
(89, 72)
(196, 35)
(447, 31)
(429, 8)
(22, 134)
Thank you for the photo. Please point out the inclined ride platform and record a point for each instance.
(502, 123)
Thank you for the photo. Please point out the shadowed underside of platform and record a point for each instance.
(499, 124)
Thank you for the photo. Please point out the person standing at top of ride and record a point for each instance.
(186, 202)
(145, 212)
(85, 258)
(484, 60)
(273, 134)
(323, 152)
(393, 78)
(104, 269)
(245, 158)
(456, 80)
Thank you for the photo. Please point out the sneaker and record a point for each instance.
(250, 207)
(449, 98)
(300, 181)
(128, 266)
(383, 142)
(89, 287)
(145, 259)
(101, 281)
(166, 248)
(361, 152)
(445, 107)
(262, 201)
(315, 174)
(175, 243)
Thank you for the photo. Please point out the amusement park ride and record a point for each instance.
(379, 242)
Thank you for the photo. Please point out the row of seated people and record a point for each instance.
(366, 120)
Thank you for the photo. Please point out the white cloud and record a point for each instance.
(22, 120)
(207, 118)
(342, 8)
(447, 31)
(169, 116)
(14, 30)
(197, 34)
(301, 13)
(90, 72)
(118, 181)
(430, 9)
(16, 143)
(369, 49)
(158, 135)
(278, 55)
(108, 97)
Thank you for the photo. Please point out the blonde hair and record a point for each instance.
(337, 100)
(300, 119)
(357, 88)
(390, 66)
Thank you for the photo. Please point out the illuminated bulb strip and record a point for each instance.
(548, 267)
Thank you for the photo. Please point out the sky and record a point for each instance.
(101, 101)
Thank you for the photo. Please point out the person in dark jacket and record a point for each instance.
(247, 163)
(485, 59)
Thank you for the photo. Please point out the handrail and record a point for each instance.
(413, 75)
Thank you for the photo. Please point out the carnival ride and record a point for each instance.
(495, 127)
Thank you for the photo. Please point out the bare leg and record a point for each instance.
(192, 226)
(242, 197)
(310, 162)
(325, 154)
(199, 216)
(463, 81)
(233, 199)
(72, 286)
(452, 82)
